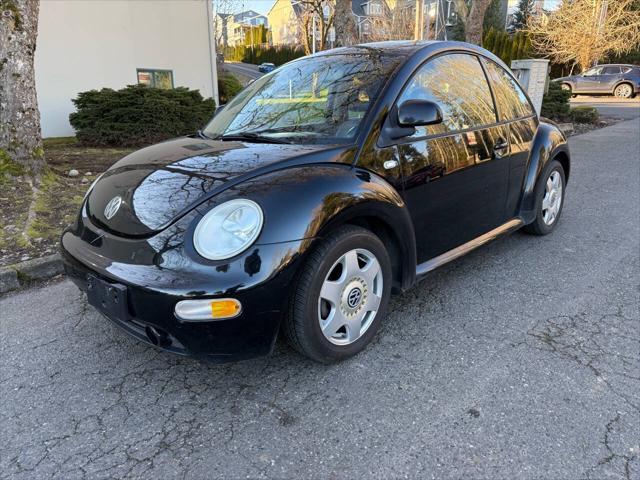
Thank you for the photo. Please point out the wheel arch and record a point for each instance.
(548, 144)
(308, 202)
(622, 82)
(401, 253)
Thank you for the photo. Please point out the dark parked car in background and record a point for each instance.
(318, 191)
(266, 67)
(623, 81)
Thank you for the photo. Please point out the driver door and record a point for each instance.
(589, 81)
(455, 172)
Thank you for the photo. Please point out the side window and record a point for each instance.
(611, 71)
(592, 72)
(457, 84)
(511, 101)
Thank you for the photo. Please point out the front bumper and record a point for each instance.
(157, 278)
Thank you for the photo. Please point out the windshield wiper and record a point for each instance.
(201, 134)
(252, 136)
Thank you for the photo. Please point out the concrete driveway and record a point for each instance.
(521, 360)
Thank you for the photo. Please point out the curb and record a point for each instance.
(23, 274)
(566, 128)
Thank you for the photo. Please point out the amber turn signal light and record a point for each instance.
(207, 309)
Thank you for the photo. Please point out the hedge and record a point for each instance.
(507, 47)
(138, 115)
(277, 55)
(228, 87)
(555, 104)
(584, 114)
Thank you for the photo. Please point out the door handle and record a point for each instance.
(500, 144)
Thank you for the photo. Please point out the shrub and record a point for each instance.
(138, 115)
(555, 104)
(228, 87)
(584, 114)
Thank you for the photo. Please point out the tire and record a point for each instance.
(547, 202)
(624, 90)
(327, 290)
(567, 87)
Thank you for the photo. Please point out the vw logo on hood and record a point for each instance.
(112, 207)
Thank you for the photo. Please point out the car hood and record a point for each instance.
(149, 189)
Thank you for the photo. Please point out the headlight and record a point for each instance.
(228, 229)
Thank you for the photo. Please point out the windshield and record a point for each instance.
(312, 100)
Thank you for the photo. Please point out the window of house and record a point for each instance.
(375, 8)
(457, 84)
(155, 78)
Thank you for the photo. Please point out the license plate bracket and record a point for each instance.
(108, 298)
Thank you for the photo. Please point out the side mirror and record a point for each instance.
(417, 113)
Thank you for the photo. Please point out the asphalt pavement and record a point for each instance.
(247, 70)
(521, 360)
(611, 106)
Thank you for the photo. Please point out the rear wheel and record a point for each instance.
(549, 199)
(341, 296)
(624, 90)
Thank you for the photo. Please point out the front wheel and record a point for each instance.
(341, 296)
(549, 199)
(623, 90)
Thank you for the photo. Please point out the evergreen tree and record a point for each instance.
(489, 39)
(521, 17)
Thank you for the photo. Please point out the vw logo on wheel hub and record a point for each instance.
(354, 297)
(112, 207)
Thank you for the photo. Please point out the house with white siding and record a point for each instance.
(92, 44)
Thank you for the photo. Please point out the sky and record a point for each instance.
(260, 6)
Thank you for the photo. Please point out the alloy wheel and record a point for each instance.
(350, 296)
(623, 91)
(552, 200)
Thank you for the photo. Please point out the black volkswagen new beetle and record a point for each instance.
(319, 190)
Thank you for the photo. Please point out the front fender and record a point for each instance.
(548, 143)
(307, 202)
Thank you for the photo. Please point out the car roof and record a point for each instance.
(402, 48)
(393, 47)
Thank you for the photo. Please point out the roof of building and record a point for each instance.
(246, 15)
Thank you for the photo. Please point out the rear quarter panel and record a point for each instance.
(548, 143)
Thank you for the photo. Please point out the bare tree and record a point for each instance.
(585, 31)
(318, 14)
(472, 17)
(20, 136)
(344, 24)
(396, 24)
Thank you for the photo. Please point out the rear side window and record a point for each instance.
(511, 101)
(457, 84)
(611, 70)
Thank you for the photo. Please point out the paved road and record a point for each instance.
(521, 360)
(610, 106)
(245, 69)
